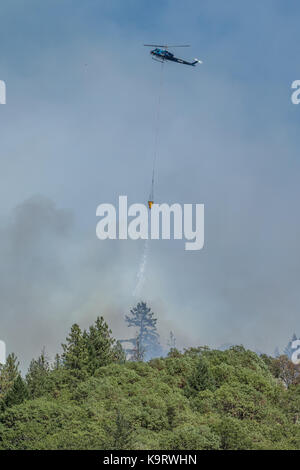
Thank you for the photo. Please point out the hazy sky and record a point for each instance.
(78, 130)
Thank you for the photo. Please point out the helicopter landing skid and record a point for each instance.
(159, 60)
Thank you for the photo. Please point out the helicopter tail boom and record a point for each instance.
(197, 61)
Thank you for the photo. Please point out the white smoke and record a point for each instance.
(141, 275)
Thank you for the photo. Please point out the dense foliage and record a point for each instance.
(92, 398)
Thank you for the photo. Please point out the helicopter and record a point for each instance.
(161, 54)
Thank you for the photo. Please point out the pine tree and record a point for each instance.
(119, 354)
(17, 394)
(120, 434)
(171, 415)
(57, 362)
(75, 352)
(8, 374)
(99, 345)
(201, 378)
(143, 320)
(37, 377)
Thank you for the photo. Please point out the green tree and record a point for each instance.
(17, 393)
(120, 434)
(201, 378)
(37, 378)
(99, 343)
(8, 374)
(119, 354)
(75, 352)
(57, 362)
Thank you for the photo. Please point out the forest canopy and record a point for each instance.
(92, 397)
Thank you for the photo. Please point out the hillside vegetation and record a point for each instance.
(92, 398)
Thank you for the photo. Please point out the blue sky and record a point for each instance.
(77, 130)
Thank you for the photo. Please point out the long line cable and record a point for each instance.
(143, 263)
(156, 130)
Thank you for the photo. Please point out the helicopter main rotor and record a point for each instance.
(166, 46)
